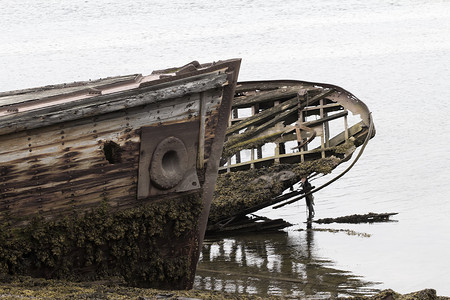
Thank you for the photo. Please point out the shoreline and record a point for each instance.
(38, 288)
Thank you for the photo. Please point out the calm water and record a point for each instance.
(394, 55)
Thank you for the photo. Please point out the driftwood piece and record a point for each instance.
(245, 224)
(355, 219)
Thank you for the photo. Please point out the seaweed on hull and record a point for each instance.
(243, 192)
(142, 245)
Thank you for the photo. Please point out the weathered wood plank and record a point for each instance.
(242, 87)
(68, 161)
(344, 135)
(104, 104)
(110, 127)
(270, 160)
(41, 93)
(325, 119)
(263, 96)
(326, 107)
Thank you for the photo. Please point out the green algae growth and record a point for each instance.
(238, 191)
(150, 245)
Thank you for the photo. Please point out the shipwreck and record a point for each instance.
(113, 177)
(279, 132)
(121, 177)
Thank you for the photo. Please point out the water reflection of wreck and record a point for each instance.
(274, 264)
(281, 131)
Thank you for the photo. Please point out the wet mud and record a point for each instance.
(32, 288)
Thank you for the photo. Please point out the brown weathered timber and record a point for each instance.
(325, 119)
(262, 96)
(77, 151)
(109, 103)
(75, 88)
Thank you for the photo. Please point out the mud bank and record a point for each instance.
(389, 294)
(33, 288)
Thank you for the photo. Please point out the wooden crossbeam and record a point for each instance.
(262, 116)
(264, 96)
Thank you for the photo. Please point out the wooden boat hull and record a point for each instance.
(112, 177)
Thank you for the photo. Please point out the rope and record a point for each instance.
(369, 134)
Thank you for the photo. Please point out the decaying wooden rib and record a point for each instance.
(280, 112)
(69, 149)
(281, 131)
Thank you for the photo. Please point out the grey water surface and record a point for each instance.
(392, 54)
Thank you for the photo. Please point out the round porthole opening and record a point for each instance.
(171, 163)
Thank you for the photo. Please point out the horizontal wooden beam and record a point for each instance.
(325, 119)
(264, 96)
(268, 161)
(66, 89)
(312, 108)
(100, 105)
